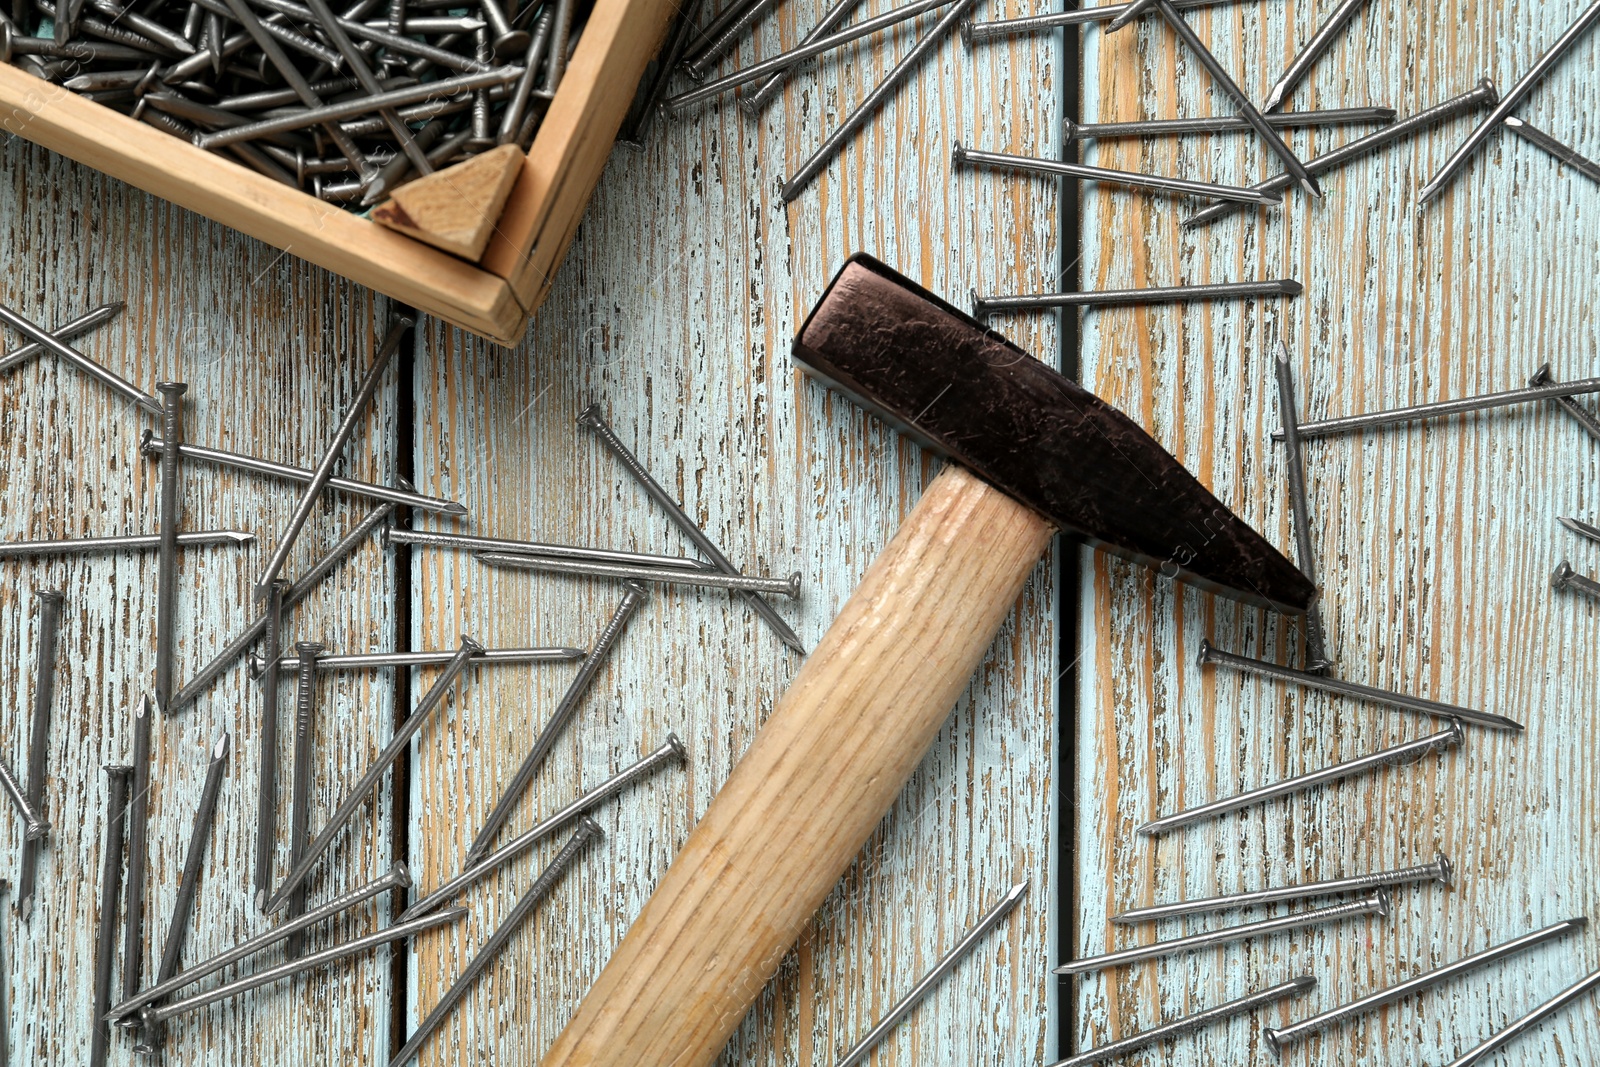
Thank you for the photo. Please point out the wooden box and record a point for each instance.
(494, 297)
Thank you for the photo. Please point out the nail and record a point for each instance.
(1579, 413)
(392, 174)
(391, 752)
(1351, 423)
(754, 102)
(778, 62)
(702, 38)
(881, 92)
(1129, 13)
(1215, 656)
(171, 506)
(987, 31)
(295, 593)
(1314, 50)
(1567, 578)
(343, 109)
(1172, 294)
(1509, 102)
(269, 37)
(1441, 870)
(400, 535)
(162, 1013)
(1181, 186)
(555, 66)
(482, 131)
(1219, 74)
(267, 779)
(183, 907)
(1376, 903)
(588, 830)
(1199, 1021)
(591, 419)
(44, 692)
(433, 25)
(633, 596)
(1288, 1035)
(1409, 752)
(740, 583)
(507, 41)
(117, 779)
(1565, 154)
(63, 332)
(52, 344)
(1290, 120)
(990, 919)
(1528, 1021)
(666, 70)
(35, 827)
(378, 660)
(1578, 526)
(324, 470)
(398, 877)
(139, 543)
(1483, 94)
(138, 851)
(356, 62)
(699, 64)
(671, 752)
(1317, 661)
(517, 106)
(300, 780)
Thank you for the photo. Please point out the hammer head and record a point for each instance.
(963, 390)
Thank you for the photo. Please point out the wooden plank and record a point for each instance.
(271, 348)
(1434, 542)
(674, 310)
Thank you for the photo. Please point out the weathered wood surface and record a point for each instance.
(1435, 542)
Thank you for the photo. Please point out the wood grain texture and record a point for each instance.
(455, 209)
(1434, 542)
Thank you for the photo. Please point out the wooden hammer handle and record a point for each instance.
(827, 765)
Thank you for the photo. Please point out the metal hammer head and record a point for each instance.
(963, 390)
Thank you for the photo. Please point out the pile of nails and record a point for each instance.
(347, 105)
(143, 1007)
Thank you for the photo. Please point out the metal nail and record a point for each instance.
(1210, 655)
(666, 68)
(138, 543)
(881, 92)
(1528, 1022)
(1580, 414)
(988, 31)
(63, 332)
(324, 470)
(835, 14)
(1567, 578)
(1313, 51)
(555, 65)
(171, 507)
(633, 596)
(783, 60)
(1172, 294)
(701, 61)
(1280, 1037)
(35, 826)
(1351, 423)
(1376, 903)
(960, 156)
(588, 830)
(379, 660)
(53, 344)
(1290, 120)
(1565, 154)
(398, 877)
(740, 583)
(1408, 752)
(381, 763)
(189, 881)
(990, 919)
(1508, 103)
(356, 62)
(670, 752)
(295, 593)
(517, 107)
(1134, 10)
(138, 851)
(1441, 870)
(117, 780)
(44, 691)
(1482, 95)
(267, 779)
(300, 780)
(1578, 526)
(400, 535)
(1291, 162)
(163, 1012)
(1198, 1021)
(1317, 661)
(591, 419)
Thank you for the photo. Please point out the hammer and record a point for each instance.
(1032, 453)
